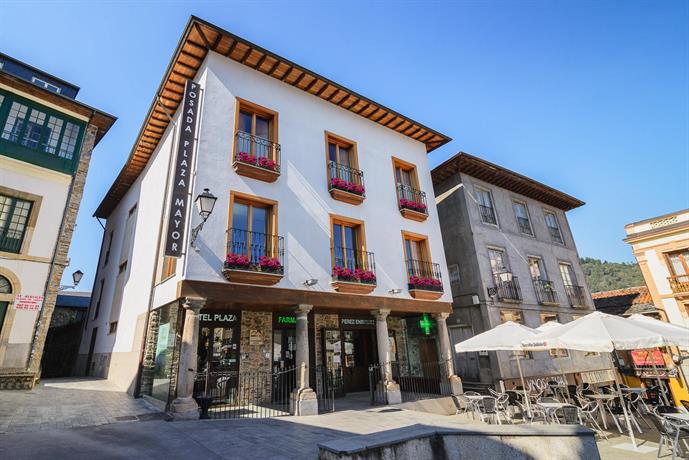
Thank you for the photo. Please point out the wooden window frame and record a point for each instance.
(255, 109)
(505, 259)
(343, 142)
(253, 200)
(683, 261)
(544, 275)
(406, 166)
(571, 273)
(425, 248)
(360, 229)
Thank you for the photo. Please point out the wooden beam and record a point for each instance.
(356, 101)
(246, 55)
(189, 55)
(231, 50)
(362, 109)
(337, 90)
(273, 67)
(261, 61)
(203, 36)
(287, 72)
(299, 79)
(310, 85)
(320, 91)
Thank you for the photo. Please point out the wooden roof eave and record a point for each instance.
(198, 39)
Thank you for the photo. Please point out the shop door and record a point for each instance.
(284, 360)
(218, 362)
(428, 352)
(360, 351)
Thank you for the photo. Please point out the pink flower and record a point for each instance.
(237, 260)
(246, 158)
(267, 163)
(414, 205)
(342, 184)
(269, 263)
(424, 282)
(357, 275)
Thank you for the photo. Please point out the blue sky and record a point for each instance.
(588, 97)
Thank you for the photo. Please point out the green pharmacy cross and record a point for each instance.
(425, 324)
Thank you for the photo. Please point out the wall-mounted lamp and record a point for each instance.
(395, 291)
(205, 202)
(311, 282)
(76, 277)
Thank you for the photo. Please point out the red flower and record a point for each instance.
(267, 163)
(342, 184)
(237, 261)
(358, 275)
(424, 282)
(414, 205)
(269, 263)
(246, 158)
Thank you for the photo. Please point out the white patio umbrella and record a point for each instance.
(677, 333)
(548, 326)
(602, 333)
(508, 336)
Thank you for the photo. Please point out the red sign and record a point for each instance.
(647, 358)
(28, 302)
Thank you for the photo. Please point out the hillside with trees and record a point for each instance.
(602, 275)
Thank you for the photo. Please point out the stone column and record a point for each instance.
(184, 407)
(446, 353)
(303, 400)
(394, 395)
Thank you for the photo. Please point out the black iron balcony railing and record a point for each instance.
(487, 215)
(555, 234)
(679, 283)
(257, 151)
(507, 286)
(347, 179)
(424, 275)
(576, 295)
(545, 292)
(10, 243)
(410, 198)
(254, 251)
(524, 225)
(353, 266)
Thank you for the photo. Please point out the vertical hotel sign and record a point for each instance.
(181, 187)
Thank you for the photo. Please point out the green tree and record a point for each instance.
(602, 275)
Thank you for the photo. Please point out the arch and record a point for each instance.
(16, 286)
(5, 285)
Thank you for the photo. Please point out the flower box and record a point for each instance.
(413, 210)
(238, 268)
(346, 191)
(426, 288)
(356, 281)
(261, 168)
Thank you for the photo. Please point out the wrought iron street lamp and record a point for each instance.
(76, 278)
(205, 202)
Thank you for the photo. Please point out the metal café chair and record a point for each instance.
(672, 435)
(488, 408)
(615, 409)
(588, 413)
(472, 404)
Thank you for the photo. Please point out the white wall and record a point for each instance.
(32, 268)
(304, 201)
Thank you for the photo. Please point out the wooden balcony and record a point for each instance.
(679, 285)
(354, 272)
(253, 258)
(256, 157)
(412, 203)
(425, 281)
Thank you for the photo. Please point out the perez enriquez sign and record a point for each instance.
(181, 187)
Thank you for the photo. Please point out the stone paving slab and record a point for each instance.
(68, 403)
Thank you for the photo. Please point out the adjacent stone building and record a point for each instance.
(511, 257)
(46, 141)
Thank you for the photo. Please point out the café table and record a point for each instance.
(600, 399)
(552, 407)
(473, 400)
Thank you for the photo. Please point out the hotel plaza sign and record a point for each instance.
(181, 186)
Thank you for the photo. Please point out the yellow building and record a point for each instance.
(661, 247)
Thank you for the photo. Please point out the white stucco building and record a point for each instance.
(321, 251)
(46, 140)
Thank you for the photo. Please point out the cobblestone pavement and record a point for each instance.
(71, 402)
(68, 403)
